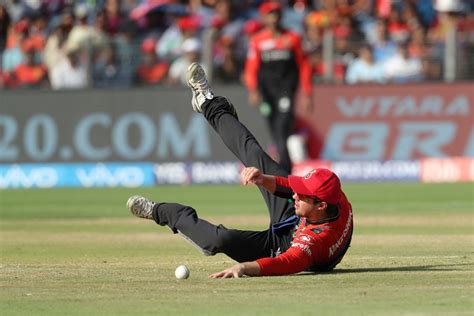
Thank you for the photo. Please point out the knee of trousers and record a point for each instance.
(224, 239)
(188, 213)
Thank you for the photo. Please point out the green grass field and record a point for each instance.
(80, 252)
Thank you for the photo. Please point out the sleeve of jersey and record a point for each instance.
(294, 260)
(281, 181)
(282, 188)
(304, 67)
(252, 66)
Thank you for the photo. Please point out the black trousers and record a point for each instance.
(210, 239)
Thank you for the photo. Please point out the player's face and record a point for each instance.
(304, 205)
(309, 207)
(272, 19)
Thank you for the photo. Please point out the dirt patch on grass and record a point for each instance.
(404, 239)
(44, 238)
(253, 222)
(132, 221)
(415, 220)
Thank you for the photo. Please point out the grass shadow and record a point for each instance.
(433, 267)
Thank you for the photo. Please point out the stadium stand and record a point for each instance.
(112, 43)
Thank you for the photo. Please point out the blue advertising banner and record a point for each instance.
(131, 175)
(366, 171)
(89, 175)
(86, 175)
(391, 170)
(198, 172)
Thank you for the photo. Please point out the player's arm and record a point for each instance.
(304, 67)
(277, 185)
(252, 66)
(292, 261)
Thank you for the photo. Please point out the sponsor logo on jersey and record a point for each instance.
(275, 55)
(305, 248)
(340, 241)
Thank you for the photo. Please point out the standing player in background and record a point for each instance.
(275, 67)
(313, 233)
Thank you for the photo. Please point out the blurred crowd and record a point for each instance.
(64, 44)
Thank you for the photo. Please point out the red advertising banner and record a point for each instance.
(455, 169)
(375, 122)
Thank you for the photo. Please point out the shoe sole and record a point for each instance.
(131, 206)
(130, 201)
(192, 70)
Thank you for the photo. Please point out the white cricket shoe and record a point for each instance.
(140, 206)
(198, 83)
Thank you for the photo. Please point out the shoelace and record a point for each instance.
(201, 83)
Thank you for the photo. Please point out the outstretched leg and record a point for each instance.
(221, 115)
(208, 238)
(239, 140)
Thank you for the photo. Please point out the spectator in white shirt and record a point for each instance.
(403, 68)
(70, 72)
(364, 69)
(191, 49)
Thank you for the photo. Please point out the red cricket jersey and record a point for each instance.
(277, 62)
(314, 246)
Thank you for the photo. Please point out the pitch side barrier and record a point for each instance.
(143, 137)
(427, 170)
(391, 122)
(130, 126)
(131, 175)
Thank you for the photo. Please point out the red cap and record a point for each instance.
(188, 23)
(321, 183)
(148, 45)
(28, 46)
(217, 22)
(268, 7)
(21, 26)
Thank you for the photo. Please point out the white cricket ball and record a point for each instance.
(181, 272)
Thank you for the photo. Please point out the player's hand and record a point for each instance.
(234, 272)
(251, 175)
(254, 98)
